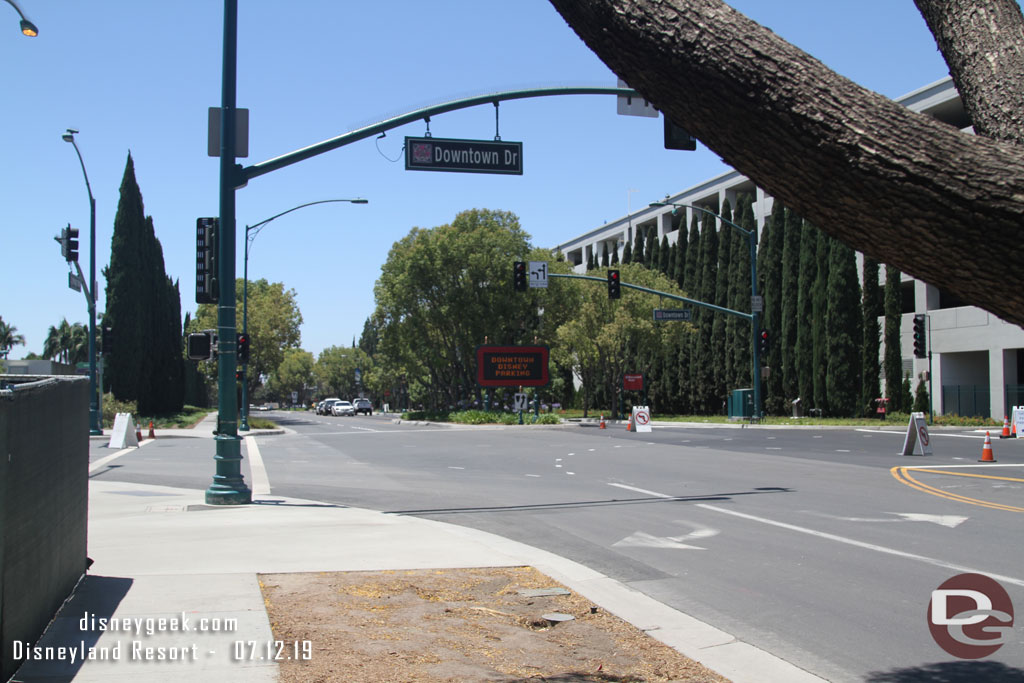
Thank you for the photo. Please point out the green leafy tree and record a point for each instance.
(872, 341)
(294, 374)
(274, 327)
(335, 370)
(843, 326)
(893, 362)
(143, 309)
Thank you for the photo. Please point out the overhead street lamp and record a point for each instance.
(27, 27)
(95, 426)
(751, 236)
(255, 229)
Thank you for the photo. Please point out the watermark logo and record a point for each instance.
(970, 616)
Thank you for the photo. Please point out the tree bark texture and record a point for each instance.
(983, 45)
(899, 186)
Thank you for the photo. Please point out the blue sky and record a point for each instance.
(139, 76)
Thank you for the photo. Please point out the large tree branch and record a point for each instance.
(899, 186)
(983, 44)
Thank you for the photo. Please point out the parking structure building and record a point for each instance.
(977, 358)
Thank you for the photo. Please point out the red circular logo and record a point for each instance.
(970, 616)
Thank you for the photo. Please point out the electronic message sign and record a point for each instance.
(512, 366)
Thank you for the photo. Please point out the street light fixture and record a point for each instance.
(95, 426)
(751, 236)
(27, 27)
(255, 230)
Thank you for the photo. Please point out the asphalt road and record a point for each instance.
(804, 542)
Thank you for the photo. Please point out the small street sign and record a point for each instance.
(633, 106)
(520, 404)
(666, 314)
(74, 283)
(757, 304)
(464, 156)
(539, 274)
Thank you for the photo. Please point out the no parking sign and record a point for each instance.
(917, 442)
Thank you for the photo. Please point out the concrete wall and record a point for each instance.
(44, 492)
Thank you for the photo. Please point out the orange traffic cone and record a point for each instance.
(152, 434)
(986, 450)
(629, 425)
(1006, 428)
(602, 422)
(1013, 431)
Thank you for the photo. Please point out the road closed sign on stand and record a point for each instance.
(642, 418)
(917, 442)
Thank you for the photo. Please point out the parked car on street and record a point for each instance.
(342, 408)
(363, 405)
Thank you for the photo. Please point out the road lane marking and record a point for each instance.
(960, 569)
(902, 475)
(260, 480)
(655, 494)
(102, 462)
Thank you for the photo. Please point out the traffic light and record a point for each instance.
(920, 340)
(243, 348)
(764, 342)
(613, 285)
(106, 341)
(72, 244)
(519, 276)
(206, 261)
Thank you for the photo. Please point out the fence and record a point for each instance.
(44, 493)
(967, 400)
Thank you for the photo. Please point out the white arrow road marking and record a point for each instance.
(952, 521)
(641, 539)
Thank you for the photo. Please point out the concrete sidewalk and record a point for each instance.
(162, 553)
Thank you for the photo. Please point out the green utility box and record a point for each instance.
(741, 403)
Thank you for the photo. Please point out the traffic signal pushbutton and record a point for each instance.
(614, 285)
(519, 282)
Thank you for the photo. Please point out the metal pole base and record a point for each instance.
(228, 487)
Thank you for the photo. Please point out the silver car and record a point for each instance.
(342, 408)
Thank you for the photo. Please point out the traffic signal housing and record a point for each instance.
(920, 338)
(519, 282)
(765, 341)
(614, 285)
(243, 347)
(106, 341)
(72, 244)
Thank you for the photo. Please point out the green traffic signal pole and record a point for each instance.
(754, 317)
(228, 487)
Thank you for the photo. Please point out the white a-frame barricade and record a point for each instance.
(123, 433)
(917, 442)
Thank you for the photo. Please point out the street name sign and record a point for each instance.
(512, 366)
(665, 314)
(464, 156)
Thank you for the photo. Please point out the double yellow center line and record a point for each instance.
(904, 476)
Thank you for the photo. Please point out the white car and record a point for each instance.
(342, 408)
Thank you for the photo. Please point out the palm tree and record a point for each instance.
(59, 342)
(8, 338)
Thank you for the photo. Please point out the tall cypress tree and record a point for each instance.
(819, 307)
(604, 259)
(721, 348)
(627, 254)
(870, 366)
(772, 245)
(664, 256)
(680, 267)
(143, 309)
(893, 350)
(843, 325)
(790, 297)
(615, 258)
(691, 273)
(651, 255)
(740, 293)
(704, 390)
(638, 247)
(805, 314)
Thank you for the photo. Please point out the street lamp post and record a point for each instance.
(255, 230)
(95, 427)
(27, 27)
(751, 236)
